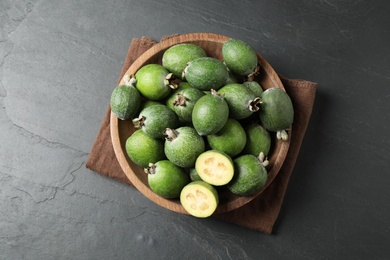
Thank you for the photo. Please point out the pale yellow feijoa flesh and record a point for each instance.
(215, 167)
(199, 199)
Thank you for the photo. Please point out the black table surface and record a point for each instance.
(59, 61)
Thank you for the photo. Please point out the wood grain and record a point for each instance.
(122, 129)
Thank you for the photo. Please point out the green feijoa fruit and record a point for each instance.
(153, 81)
(276, 112)
(206, 73)
(167, 179)
(148, 103)
(254, 86)
(239, 57)
(183, 145)
(231, 139)
(258, 140)
(250, 176)
(176, 57)
(182, 102)
(240, 99)
(125, 101)
(143, 149)
(215, 167)
(210, 114)
(199, 199)
(194, 176)
(183, 85)
(153, 120)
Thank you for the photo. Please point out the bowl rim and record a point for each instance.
(122, 156)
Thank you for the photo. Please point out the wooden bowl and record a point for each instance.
(122, 129)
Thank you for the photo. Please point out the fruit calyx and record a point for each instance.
(129, 80)
(254, 105)
(254, 73)
(170, 81)
(171, 134)
(180, 100)
(139, 122)
(263, 159)
(151, 169)
(282, 135)
(215, 93)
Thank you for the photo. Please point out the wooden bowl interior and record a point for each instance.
(122, 129)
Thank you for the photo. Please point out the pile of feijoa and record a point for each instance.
(202, 123)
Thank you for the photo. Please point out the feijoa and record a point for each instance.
(239, 57)
(199, 199)
(206, 73)
(240, 99)
(125, 101)
(210, 114)
(250, 176)
(182, 102)
(153, 81)
(176, 57)
(254, 86)
(258, 139)
(153, 120)
(276, 112)
(231, 139)
(167, 179)
(143, 149)
(194, 176)
(183, 145)
(215, 167)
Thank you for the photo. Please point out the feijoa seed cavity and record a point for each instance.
(203, 125)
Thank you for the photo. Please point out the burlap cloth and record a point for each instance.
(261, 213)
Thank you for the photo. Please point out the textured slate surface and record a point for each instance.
(59, 61)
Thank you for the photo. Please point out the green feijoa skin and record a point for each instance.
(276, 112)
(148, 103)
(206, 73)
(240, 99)
(239, 57)
(255, 87)
(194, 175)
(183, 145)
(176, 57)
(232, 78)
(199, 199)
(231, 139)
(210, 114)
(250, 176)
(143, 149)
(167, 179)
(125, 101)
(153, 120)
(258, 140)
(182, 102)
(153, 82)
(183, 85)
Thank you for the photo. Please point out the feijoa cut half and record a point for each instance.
(199, 199)
(215, 167)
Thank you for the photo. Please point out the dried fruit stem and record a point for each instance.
(139, 122)
(151, 169)
(129, 80)
(180, 100)
(282, 134)
(171, 134)
(254, 105)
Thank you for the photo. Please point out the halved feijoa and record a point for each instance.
(176, 57)
(210, 114)
(206, 73)
(199, 199)
(143, 149)
(215, 167)
(250, 176)
(166, 179)
(183, 145)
